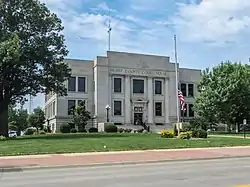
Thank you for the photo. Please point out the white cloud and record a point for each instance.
(104, 7)
(213, 20)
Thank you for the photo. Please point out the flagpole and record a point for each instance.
(176, 86)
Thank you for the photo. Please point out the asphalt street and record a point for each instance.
(220, 173)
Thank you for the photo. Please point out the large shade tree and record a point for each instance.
(31, 53)
(224, 94)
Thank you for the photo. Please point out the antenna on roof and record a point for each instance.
(109, 31)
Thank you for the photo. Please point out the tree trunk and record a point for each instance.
(4, 121)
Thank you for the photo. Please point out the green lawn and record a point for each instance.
(229, 134)
(68, 143)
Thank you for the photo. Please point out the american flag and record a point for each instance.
(182, 100)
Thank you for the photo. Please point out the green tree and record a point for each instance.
(81, 116)
(18, 119)
(226, 94)
(37, 118)
(31, 54)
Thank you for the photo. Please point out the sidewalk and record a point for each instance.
(125, 157)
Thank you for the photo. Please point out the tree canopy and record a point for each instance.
(81, 116)
(224, 94)
(37, 118)
(32, 50)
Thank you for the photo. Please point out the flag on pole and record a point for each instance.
(182, 100)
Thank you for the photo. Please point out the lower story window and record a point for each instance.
(158, 108)
(71, 106)
(117, 108)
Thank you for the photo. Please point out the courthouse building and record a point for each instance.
(135, 86)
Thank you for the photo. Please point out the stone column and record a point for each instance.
(150, 101)
(127, 102)
(110, 92)
(166, 90)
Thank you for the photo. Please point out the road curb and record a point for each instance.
(28, 168)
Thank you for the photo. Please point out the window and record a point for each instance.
(158, 87)
(190, 90)
(158, 109)
(191, 110)
(117, 85)
(138, 86)
(117, 108)
(184, 89)
(72, 84)
(71, 106)
(81, 84)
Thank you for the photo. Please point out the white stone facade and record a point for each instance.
(113, 80)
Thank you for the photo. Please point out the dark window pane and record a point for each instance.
(158, 87)
(184, 89)
(158, 109)
(81, 84)
(190, 90)
(117, 85)
(72, 84)
(138, 86)
(71, 106)
(117, 108)
(191, 110)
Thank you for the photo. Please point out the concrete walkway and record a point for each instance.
(125, 157)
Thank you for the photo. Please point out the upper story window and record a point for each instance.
(158, 87)
(138, 86)
(190, 90)
(81, 84)
(72, 84)
(184, 89)
(117, 85)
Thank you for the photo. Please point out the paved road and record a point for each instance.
(220, 173)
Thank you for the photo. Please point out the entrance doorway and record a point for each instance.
(138, 118)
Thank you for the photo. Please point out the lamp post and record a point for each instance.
(108, 108)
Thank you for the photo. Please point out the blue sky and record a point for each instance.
(208, 31)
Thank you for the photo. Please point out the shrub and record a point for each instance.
(120, 130)
(128, 130)
(93, 129)
(167, 133)
(30, 131)
(73, 130)
(140, 130)
(187, 127)
(2, 138)
(65, 128)
(82, 130)
(42, 132)
(110, 128)
(185, 135)
(199, 133)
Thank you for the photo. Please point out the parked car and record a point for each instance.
(12, 134)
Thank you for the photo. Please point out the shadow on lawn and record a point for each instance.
(71, 136)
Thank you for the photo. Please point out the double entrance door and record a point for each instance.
(138, 118)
